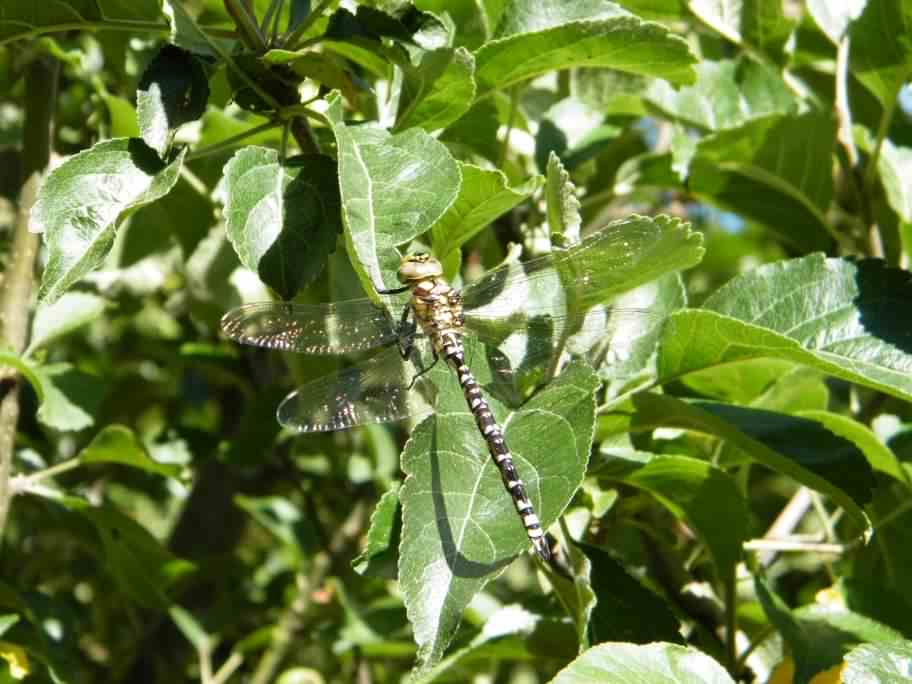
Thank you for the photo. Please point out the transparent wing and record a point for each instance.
(374, 391)
(340, 328)
(605, 264)
(523, 356)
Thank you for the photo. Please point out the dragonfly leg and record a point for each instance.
(424, 370)
(395, 290)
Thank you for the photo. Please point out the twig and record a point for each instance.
(40, 103)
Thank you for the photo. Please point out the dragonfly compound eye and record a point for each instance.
(415, 267)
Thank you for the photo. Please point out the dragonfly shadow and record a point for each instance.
(459, 564)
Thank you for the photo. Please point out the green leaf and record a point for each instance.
(173, 91)
(282, 221)
(141, 567)
(881, 56)
(843, 474)
(284, 521)
(7, 621)
(751, 23)
(122, 115)
(818, 636)
(510, 633)
(483, 196)
(72, 311)
(460, 528)
(378, 558)
(561, 203)
(71, 397)
(895, 166)
(844, 317)
(383, 205)
(760, 170)
(538, 36)
(834, 18)
(867, 594)
(119, 444)
(29, 370)
(657, 663)
(186, 33)
(884, 663)
(83, 201)
(879, 456)
(438, 90)
(24, 18)
(727, 94)
(626, 610)
(191, 629)
(701, 494)
(740, 383)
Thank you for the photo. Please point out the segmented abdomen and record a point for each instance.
(497, 446)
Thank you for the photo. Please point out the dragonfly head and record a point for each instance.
(416, 267)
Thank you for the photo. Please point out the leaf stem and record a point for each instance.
(306, 24)
(38, 134)
(25, 482)
(229, 142)
(511, 119)
(248, 31)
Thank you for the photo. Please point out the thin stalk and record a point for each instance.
(315, 14)
(228, 143)
(25, 482)
(514, 106)
(299, 612)
(731, 624)
(247, 28)
(15, 298)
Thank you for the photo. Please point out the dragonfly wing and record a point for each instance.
(339, 328)
(373, 391)
(605, 264)
(531, 351)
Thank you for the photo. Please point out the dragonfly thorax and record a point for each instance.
(417, 267)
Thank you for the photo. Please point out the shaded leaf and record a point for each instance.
(751, 23)
(173, 91)
(141, 567)
(702, 495)
(750, 431)
(118, 444)
(378, 557)
(765, 170)
(72, 311)
(71, 397)
(23, 18)
(625, 609)
(881, 56)
(282, 220)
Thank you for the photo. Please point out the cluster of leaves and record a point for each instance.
(725, 472)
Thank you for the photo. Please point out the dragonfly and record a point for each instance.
(530, 313)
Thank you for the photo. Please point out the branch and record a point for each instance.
(40, 101)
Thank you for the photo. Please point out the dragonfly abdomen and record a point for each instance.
(497, 447)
